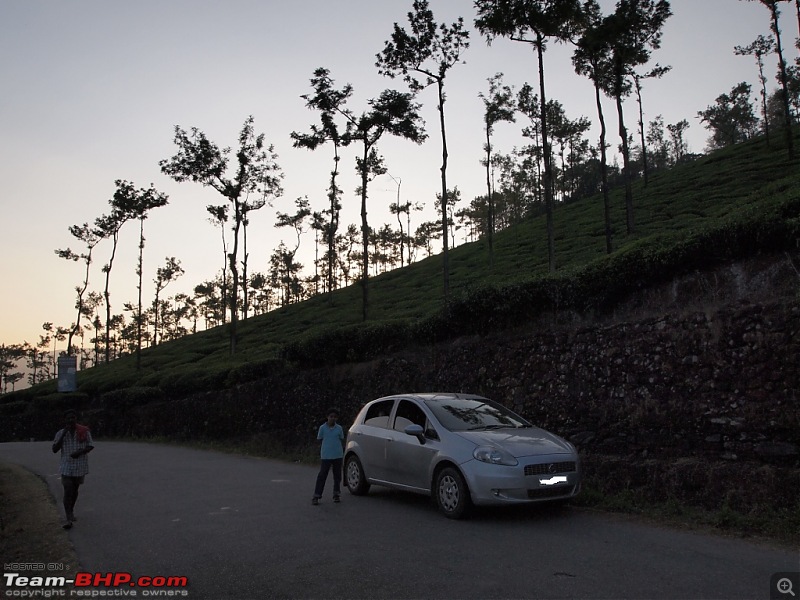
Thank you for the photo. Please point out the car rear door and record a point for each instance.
(372, 438)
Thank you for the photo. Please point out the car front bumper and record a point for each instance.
(551, 477)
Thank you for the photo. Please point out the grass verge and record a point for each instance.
(781, 527)
(30, 526)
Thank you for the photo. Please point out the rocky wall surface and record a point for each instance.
(698, 404)
(701, 407)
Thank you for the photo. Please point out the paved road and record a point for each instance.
(241, 527)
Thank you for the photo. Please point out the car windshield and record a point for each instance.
(464, 414)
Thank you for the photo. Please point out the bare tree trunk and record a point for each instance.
(107, 296)
(626, 167)
(784, 81)
(408, 228)
(155, 317)
(489, 199)
(235, 272)
(364, 235)
(334, 224)
(604, 170)
(224, 283)
(763, 81)
(444, 192)
(797, 5)
(139, 269)
(548, 167)
(641, 130)
(245, 295)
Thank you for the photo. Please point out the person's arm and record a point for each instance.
(82, 451)
(59, 441)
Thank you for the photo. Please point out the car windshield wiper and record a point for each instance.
(485, 427)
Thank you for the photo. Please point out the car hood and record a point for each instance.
(527, 441)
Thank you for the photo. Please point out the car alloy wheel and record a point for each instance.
(354, 476)
(452, 495)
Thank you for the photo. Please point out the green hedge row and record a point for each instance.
(355, 343)
(191, 379)
(596, 287)
(604, 283)
(131, 396)
(28, 394)
(255, 369)
(17, 407)
(60, 401)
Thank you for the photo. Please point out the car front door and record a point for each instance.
(409, 460)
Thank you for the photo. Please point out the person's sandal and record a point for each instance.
(315, 501)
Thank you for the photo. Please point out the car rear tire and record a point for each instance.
(355, 479)
(451, 493)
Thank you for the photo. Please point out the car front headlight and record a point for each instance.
(495, 456)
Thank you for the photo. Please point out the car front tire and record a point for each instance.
(451, 493)
(355, 479)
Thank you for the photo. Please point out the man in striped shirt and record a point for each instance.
(75, 442)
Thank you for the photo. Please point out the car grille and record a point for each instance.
(553, 492)
(550, 468)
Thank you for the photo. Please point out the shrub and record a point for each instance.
(348, 344)
(256, 369)
(131, 396)
(17, 407)
(60, 401)
(193, 379)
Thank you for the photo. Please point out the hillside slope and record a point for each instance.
(729, 205)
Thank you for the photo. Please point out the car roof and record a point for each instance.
(434, 396)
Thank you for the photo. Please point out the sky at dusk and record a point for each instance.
(93, 89)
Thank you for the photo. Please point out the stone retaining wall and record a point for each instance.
(701, 408)
(699, 404)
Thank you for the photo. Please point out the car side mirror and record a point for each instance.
(417, 432)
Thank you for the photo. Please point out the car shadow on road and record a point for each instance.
(540, 511)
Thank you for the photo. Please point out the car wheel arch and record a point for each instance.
(451, 492)
(356, 481)
(440, 466)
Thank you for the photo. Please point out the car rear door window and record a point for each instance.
(378, 414)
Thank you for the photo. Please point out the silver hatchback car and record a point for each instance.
(459, 448)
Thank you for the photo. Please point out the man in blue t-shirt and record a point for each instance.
(331, 453)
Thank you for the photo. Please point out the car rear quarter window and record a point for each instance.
(378, 414)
